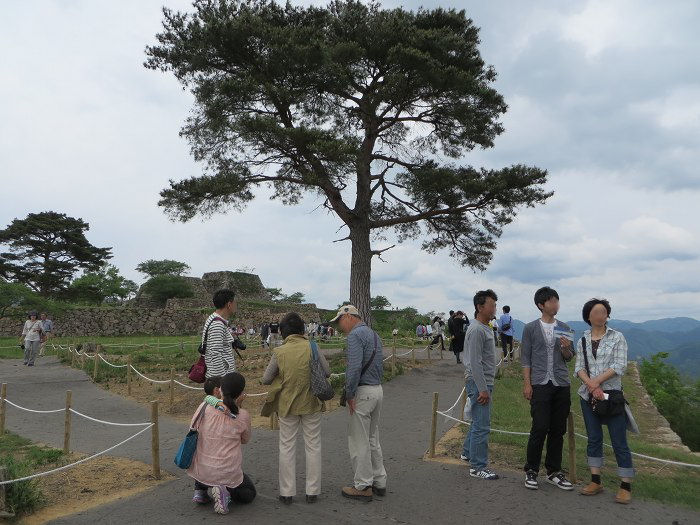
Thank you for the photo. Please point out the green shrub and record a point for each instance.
(164, 287)
(22, 497)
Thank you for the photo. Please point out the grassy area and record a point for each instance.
(22, 458)
(654, 481)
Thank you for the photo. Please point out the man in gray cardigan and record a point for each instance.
(546, 385)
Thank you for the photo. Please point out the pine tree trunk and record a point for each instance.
(360, 272)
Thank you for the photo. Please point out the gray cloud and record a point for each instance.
(601, 94)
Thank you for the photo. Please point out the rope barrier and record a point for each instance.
(34, 411)
(510, 432)
(149, 379)
(108, 422)
(111, 364)
(188, 386)
(66, 467)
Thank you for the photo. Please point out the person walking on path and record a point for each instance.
(217, 336)
(601, 361)
(459, 324)
(289, 373)
(480, 371)
(438, 329)
(32, 333)
(505, 327)
(217, 465)
(364, 395)
(47, 328)
(546, 385)
(274, 337)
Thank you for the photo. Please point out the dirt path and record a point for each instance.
(418, 491)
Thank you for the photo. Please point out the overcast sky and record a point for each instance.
(605, 95)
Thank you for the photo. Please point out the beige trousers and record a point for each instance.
(363, 438)
(311, 429)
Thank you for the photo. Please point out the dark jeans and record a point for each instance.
(243, 493)
(617, 428)
(549, 407)
(507, 345)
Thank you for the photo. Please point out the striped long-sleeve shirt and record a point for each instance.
(219, 355)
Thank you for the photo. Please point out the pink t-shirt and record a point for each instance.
(219, 457)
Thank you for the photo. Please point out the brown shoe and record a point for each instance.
(623, 496)
(592, 489)
(353, 493)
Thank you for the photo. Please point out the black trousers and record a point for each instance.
(507, 345)
(243, 493)
(549, 407)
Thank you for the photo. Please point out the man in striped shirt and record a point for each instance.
(219, 356)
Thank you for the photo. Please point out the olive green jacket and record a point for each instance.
(290, 391)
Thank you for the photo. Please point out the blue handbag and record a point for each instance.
(188, 447)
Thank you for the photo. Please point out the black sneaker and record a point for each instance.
(531, 480)
(483, 474)
(559, 480)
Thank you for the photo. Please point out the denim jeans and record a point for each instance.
(617, 428)
(476, 444)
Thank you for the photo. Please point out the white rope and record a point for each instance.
(256, 395)
(111, 364)
(459, 397)
(188, 386)
(669, 461)
(492, 430)
(35, 411)
(108, 422)
(65, 467)
(148, 378)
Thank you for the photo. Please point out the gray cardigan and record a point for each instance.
(533, 354)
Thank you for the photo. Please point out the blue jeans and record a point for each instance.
(476, 444)
(617, 428)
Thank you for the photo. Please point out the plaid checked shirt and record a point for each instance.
(612, 353)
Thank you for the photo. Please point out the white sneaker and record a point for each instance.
(483, 474)
(463, 457)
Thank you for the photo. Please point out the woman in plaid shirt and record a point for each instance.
(606, 350)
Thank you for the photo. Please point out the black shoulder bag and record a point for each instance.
(343, 396)
(614, 405)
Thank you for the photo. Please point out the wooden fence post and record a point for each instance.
(155, 445)
(94, 374)
(413, 350)
(66, 432)
(3, 407)
(572, 448)
(172, 386)
(462, 403)
(72, 358)
(393, 358)
(274, 423)
(433, 426)
(442, 343)
(429, 359)
(128, 374)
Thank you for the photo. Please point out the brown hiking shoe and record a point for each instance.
(353, 493)
(591, 489)
(623, 496)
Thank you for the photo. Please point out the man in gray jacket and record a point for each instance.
(480, 371)
(546, 385)
(364, 395)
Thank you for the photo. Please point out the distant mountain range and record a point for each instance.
(679, 336)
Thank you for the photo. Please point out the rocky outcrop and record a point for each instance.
(246, 286)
